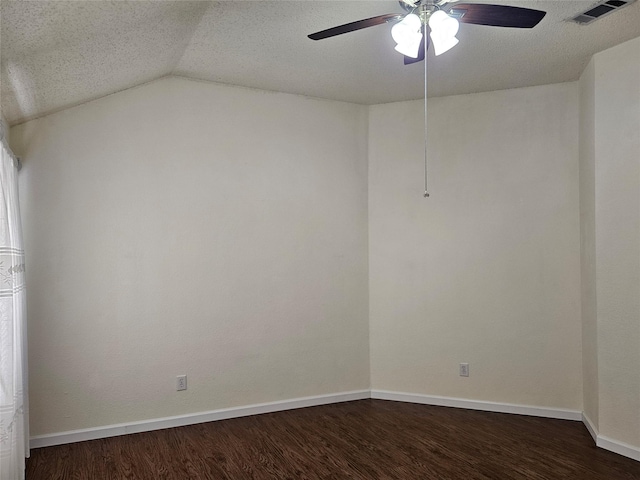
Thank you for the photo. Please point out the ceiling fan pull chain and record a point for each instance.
(426, 191)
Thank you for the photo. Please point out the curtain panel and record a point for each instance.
(14, 432)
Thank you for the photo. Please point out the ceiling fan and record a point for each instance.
(442, 18)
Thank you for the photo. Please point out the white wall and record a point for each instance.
(617, 240)
(487, 270)
(189, 228)
(185, 227)
(588, 245)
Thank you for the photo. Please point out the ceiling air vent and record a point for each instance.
(600, 10)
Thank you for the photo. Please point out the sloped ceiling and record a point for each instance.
(56, 54)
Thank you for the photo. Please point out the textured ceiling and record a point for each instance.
(56, 54)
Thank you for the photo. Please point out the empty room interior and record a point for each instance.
(225, 220)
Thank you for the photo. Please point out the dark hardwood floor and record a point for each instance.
(367, 439)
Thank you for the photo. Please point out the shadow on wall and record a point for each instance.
(19, 96)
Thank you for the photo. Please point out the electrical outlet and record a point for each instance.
(181, 382)
(464, 369)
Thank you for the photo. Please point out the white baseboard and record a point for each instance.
(618, 447)
(610, 444)
(193, 418)
(593, 431)
(559, 413)
(72, 436)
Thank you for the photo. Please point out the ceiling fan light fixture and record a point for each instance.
(443, 32)
(407, 34)
(409, 49)
(443, 44)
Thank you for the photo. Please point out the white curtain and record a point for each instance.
(14, 430)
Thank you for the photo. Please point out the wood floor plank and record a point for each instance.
(364, 440)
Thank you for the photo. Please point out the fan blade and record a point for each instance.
(420, 57)
(496, 15)
(353, 26)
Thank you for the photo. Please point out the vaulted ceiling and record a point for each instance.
(56, 54)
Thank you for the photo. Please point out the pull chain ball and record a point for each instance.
(426, 195)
